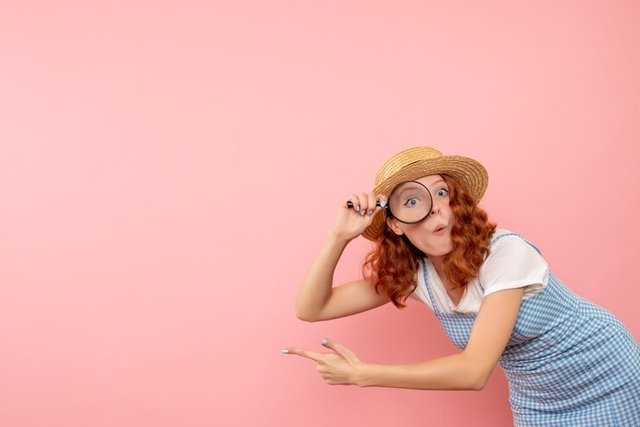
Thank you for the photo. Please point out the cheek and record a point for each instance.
(450, 214)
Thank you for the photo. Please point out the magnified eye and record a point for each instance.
(412, 202)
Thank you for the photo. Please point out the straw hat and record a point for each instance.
(416, 162)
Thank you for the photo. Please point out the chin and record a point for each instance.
(431, 248)
(440, 251)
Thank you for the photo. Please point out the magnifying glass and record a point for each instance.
(410, 202)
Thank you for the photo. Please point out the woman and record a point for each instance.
(567, 361)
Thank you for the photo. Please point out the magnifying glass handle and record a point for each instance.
(350, 204)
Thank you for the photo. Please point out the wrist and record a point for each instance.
(364, 375)
(338, 238)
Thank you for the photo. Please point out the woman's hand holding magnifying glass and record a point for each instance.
(352, 221)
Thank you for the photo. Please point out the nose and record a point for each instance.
(434, 209)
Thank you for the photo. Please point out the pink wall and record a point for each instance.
(168, 169)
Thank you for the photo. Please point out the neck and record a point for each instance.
(437, 261)
(438, 264)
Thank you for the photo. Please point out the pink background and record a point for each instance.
(169, 168)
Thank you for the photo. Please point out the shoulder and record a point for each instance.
(513, 262)
(505, 242)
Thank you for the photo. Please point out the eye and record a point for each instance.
(443, 192)
(411, 202)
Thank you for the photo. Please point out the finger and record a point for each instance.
(355, 202)
(366, 204)
(363, 202)
(371, 203)
(382, 199)
(313, 355)
(330, 378)
(340, 349)
(360, 203)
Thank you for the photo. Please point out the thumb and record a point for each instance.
(340, 349)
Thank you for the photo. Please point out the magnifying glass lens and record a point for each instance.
(410, 202)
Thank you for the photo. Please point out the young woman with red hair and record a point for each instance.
(567, 361)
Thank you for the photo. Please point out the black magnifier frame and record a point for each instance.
(388, 205)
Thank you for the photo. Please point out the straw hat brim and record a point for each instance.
(465, 170)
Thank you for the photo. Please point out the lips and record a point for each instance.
(439, 228)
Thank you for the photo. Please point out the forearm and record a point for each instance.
(316, 287)
(456, 372)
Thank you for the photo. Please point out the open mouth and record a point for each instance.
(439, 228)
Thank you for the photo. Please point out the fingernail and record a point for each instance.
(357, 208)
(324, 341)
(284, 351)
(383, 203)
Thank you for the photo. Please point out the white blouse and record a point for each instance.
(512, 263)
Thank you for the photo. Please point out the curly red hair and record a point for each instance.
(393, 264)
